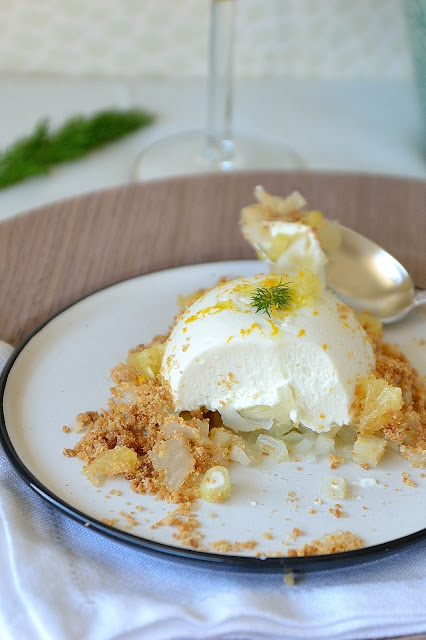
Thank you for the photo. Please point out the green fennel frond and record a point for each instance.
(37, 153)
(267, 299)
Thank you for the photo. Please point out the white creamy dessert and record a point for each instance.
(286, 236)
(295, 364)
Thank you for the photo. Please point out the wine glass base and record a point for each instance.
(186, 154)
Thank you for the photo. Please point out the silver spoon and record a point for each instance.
(366, 277)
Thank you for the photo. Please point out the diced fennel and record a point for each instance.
(304, 445)
(379, 397)
(333, 488)
(110, 463)
(324, 445)
(220, 437)
(216, 484)
(369, 449)
(292, 438)
(174, 457)
(148, 361)
(241, 451)
(175, 427)
(197, 431)
(279, 244)
(273, 447)
(417, 457)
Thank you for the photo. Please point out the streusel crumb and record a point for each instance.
(330, 543)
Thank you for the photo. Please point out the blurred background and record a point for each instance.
(332, 79)
(163, 38)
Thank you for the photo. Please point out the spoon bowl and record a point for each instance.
(366, 277)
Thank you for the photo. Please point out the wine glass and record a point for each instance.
(216, 148)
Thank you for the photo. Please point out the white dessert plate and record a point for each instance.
(62, 369)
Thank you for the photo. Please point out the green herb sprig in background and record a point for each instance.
(38, 153)
(268, 298)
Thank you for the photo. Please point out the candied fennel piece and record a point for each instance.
(377, 400)
(195, 430)
(324, 445)
(416, 455)
(147, 362)
(241, 451)
(279, 244)
(372, 325)
(329, 231)
(304, 448)
(333, 488)
(279, 205)
(289, 208)
(369, 449)
(184, 301)
(216, 484)
(269, 226)
(85, 420)
(111, 463)
(276, 418)
(306, 288)
(175, 459)
(272, 447)
(344, 442)
(221, 437)
(256, 220)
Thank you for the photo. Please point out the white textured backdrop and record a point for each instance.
(357, 38)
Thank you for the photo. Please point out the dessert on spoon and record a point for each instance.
(360, 273)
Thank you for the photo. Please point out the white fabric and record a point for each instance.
(60, 580)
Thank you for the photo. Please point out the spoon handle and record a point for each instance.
(419, 298)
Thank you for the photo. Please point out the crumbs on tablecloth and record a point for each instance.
(288, 578)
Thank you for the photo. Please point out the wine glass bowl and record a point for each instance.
(187, 153)
(217, 148)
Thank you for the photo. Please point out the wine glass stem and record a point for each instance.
(219, 146)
